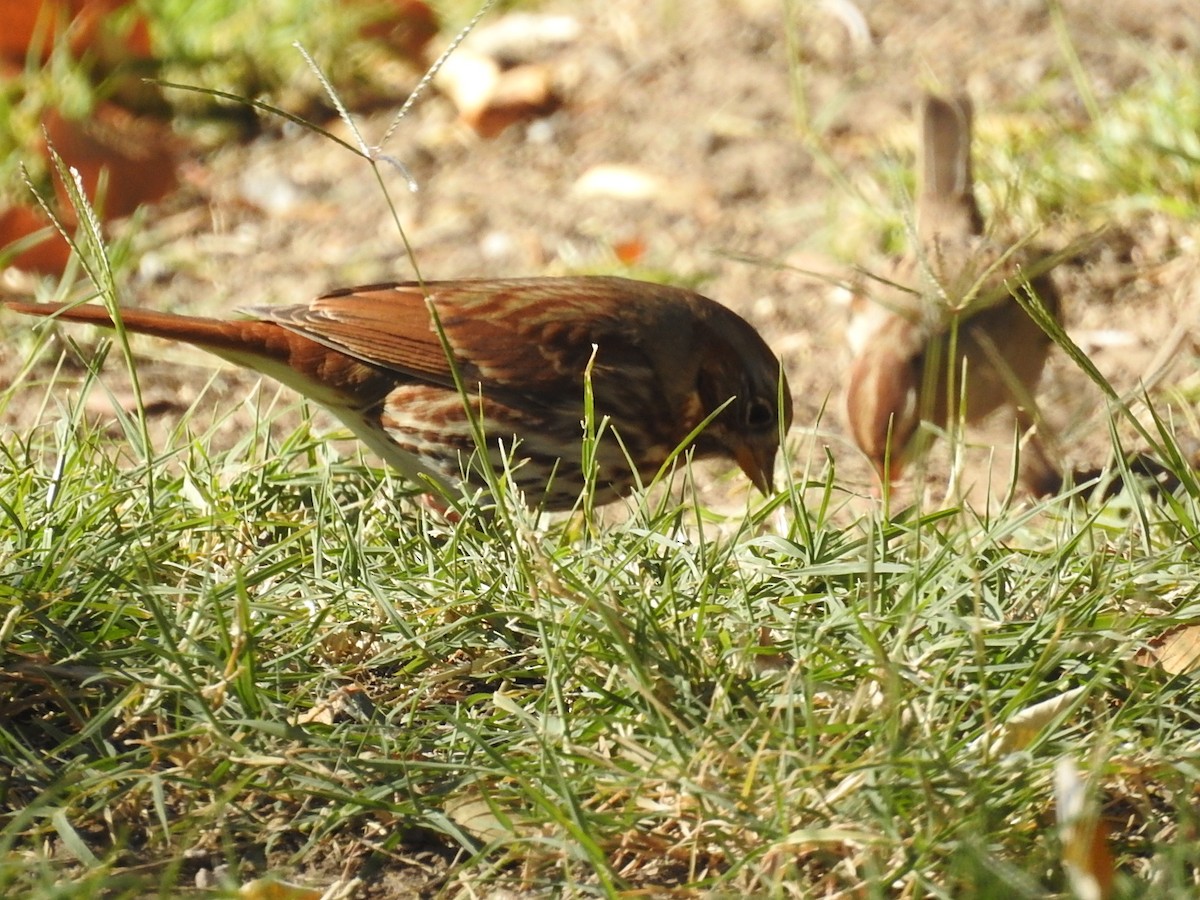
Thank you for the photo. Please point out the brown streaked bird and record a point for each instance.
(665, 359)
(952, 293)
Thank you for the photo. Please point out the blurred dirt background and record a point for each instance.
(734, 147)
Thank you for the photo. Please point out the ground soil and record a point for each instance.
(759, 131)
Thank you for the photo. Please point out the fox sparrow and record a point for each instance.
(943, 333)
(662, 360)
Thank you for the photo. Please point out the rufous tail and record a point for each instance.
(322, 373)
(247, 337)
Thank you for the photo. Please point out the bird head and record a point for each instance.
(743, 378)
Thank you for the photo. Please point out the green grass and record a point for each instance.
(270, 658)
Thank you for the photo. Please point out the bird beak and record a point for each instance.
(759, 466)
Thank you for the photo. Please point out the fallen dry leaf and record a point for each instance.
(47, 254)
(471, 811)
(81, 20)
(1020, 730)
(349, 703)
(135, 157)
(273, 889)
(489, 97)
(1177, 651)
(1085, 855)
(407, 26)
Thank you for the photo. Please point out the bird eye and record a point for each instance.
(760, 414)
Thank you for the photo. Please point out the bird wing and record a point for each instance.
(538, 332)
